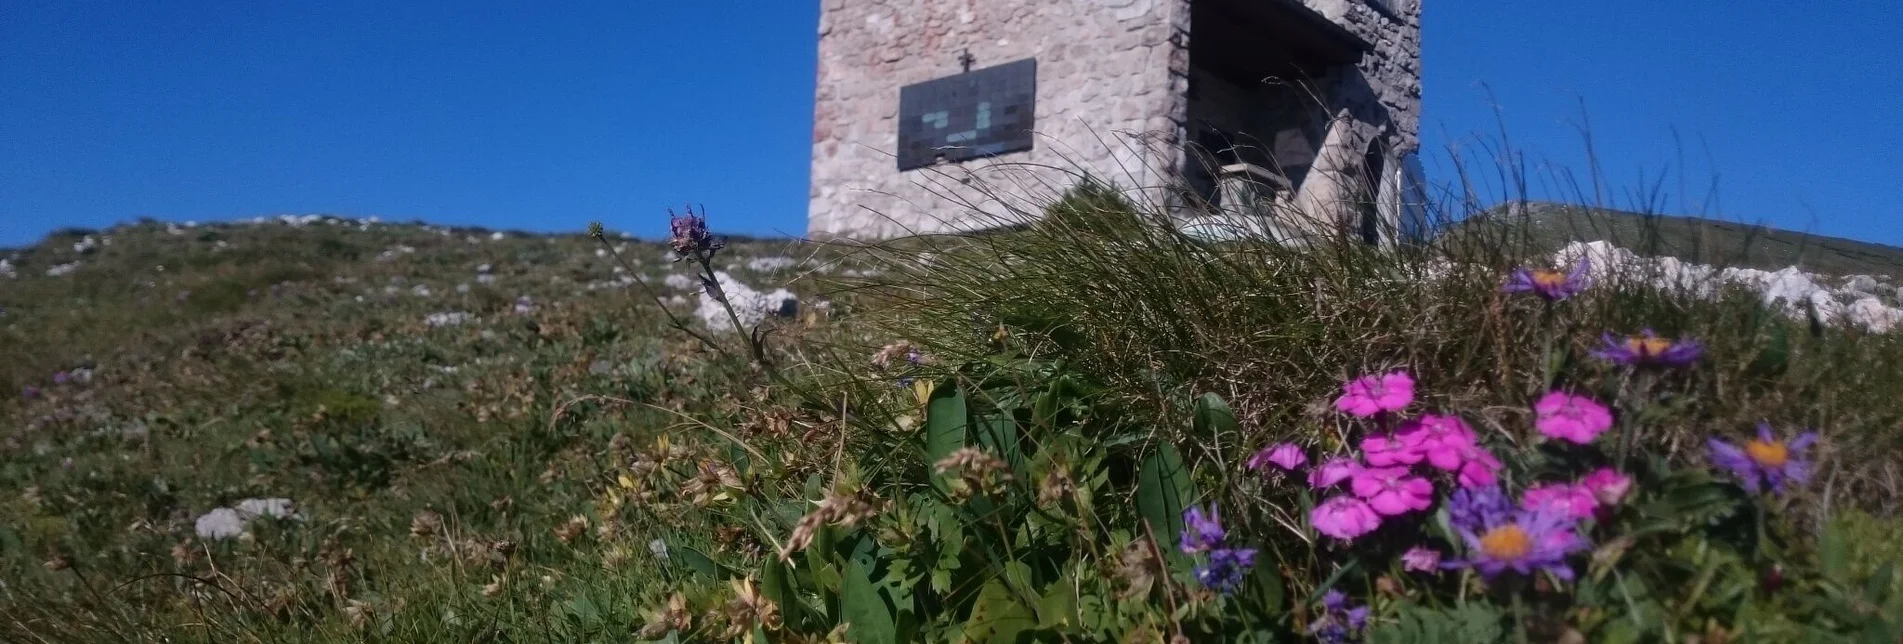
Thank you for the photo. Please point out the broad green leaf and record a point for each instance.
(776, 583)
(1213, 417)
(1265, 589)
(1164, 490)
(997, 616)
(1834, 553)
(697, 561)
(999, 435)
(863, 606)
(946, 418)
(1059, 606)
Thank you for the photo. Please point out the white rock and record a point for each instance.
(770, 264)
(681, 282)
(221, 523)
(450, 318)
(7, 270)
(62, 269)
(749, 305)
(497, 236)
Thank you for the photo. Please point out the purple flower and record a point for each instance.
(1444, 441)
(1550, 284)
(1337, 619)
(1334, 471)
(1388, 451)
(61, 377)
(1369, 395)
(1573, 501)
(1287, 456)
(1607, 486)
(1421, 559)
(1344, 517)
(1201, 533)
(1523, 542)
(1577, 419)
(1226, 568)
(1765, 461)
(1647, 349)
(1392, 491)
(30, 392)
(1481, 468)
(689, 235)
(1471, 508)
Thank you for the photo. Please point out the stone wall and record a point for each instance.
(1104, 74)
(1112, 100)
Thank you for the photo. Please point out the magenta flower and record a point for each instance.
(1443, 440)
(1577, 419)
(1344, 517)
(1334, 471)
(1523, 542)
(1391, 490)
(689, 235)
(1479, 468)
(1420, 559)
(1370, 395)
(1550, 284)
(1287, 456)
(1647, 349)
(1765, 461)
(1388, 451)
(1607, 486)
(1574, 501)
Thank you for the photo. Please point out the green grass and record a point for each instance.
(505, 480)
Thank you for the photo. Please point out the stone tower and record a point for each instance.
(1291, 117)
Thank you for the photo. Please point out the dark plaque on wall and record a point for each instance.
(976, 114)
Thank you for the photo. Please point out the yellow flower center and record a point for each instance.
(1549, 279)
(1647, 346)
(1507, 542)
(1772, 454)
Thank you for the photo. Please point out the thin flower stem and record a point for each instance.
(673, 320)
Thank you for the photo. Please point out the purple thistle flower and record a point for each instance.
(1765, 461)
(1201, 533)
(1550, 284)
(1471, 509)
(1648, 349)
(689, 235)
(1525, 541)
(1226, 568)
(1337, 619)
(1334, 600)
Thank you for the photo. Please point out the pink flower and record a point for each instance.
(1369, 395)
(1344, 517)
(1391, 491)
(1334, 471)
(1388, 451)
(1607, 485)
(1442, 440)
(1287, 456)
(1572, 418)
(1480, 468)
(1574, 501)
(1421, 559)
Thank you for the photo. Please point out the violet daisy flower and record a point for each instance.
(1344, 517)
(1370, 395)
(1201, 533)
(1472, 508)
(1392, 491)
(1576, 419)
(1550, 284)
(1226, 568)
(1765, 461)
(1648, 349)
(1523, 542)
(1287, 456)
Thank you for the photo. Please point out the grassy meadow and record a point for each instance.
(501, 437)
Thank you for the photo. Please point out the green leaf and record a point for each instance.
(697, 561)
(776, 583)
(997, 616)
(999, 434)
(1213, 417)
(1264, 588)
(1163, 492)
(946, 418)
(1775, 357)
(863, 606)
(1834, 553)
(1058, 608)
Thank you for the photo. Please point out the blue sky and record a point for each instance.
(501, 115)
